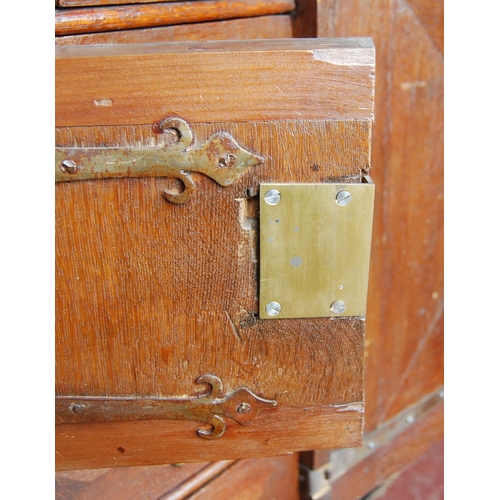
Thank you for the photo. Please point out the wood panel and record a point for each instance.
(143, 282)
(228, 81)
(92, 20)
(422, 479)
(274, 477)
(197, 481)
(265, 27)
(269, 478)
(127, 483)
(405, 304)
(430, 13)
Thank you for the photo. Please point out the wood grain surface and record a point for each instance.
(272, 477)
(266, 478)
(278, 431)
(405, 303)
(127, 483)
(250, 28)
(215, 82)
(199, 480)
(148, 290)
(92, 20)
(424, 478)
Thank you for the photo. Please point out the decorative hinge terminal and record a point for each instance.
(221, 158)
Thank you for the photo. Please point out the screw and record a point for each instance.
(371, 445)
(228, 161)
(76, 408)
(410, 419)
(343, 198)
(69, 166)
(272, 197)
(244, 408)
(273, 309)
(338, 307)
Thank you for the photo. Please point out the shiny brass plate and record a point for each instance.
(314, 249)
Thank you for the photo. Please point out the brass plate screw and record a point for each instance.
(273, 308)
(338, 307)
(272, 197)
(343, 198)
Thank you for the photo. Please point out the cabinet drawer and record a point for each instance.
(162, 352)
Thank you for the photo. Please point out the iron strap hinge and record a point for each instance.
(221, 158)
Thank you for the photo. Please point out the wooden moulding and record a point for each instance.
(215, 81)
(275, 432)
(256, 28)
(92, 20)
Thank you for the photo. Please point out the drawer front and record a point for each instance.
(162, 352)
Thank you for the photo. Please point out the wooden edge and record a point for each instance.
(274, 432)
(257, 80)
(104, 18)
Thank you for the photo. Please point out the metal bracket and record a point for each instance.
(221, 158)
(315, 249)
(211, 407)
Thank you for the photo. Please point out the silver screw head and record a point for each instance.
(78, 408)
(273, 308)
(69, 166)
(338, 307)
(272, 197)
(343, 198)
(244, 408)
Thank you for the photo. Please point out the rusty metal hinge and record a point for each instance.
(211, 407)
(221, 158)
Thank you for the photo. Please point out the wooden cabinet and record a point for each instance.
(152, 295)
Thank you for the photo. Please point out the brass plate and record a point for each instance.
(315, 252)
